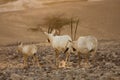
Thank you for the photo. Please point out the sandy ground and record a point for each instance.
(97, 18)
(104, 66)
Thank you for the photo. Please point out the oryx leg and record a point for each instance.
(35, 60)
(25, 57)
(67, 60)
(94, 52)
(87, 60)
(93, 55)
(67, 55)
(79, 59)
(56, 57)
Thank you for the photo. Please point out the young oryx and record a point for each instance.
(27, 51)
(85, 45)
(59, 43)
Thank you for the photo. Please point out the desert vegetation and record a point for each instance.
(58, 22)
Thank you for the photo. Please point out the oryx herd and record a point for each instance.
(62, 43)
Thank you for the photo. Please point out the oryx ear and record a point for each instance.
(46, 33)
(20, 43)
(53, 32)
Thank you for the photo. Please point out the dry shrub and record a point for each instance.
(57, 22)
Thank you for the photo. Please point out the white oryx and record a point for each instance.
(59, 43)
(27, 51)
(85, 45)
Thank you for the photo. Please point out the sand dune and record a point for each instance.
(20, 5)
(25, 4)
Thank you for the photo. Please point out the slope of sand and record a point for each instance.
(17, 5)
(98, 18)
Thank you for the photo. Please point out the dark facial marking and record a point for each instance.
(74, 49)
(91, 50)
(48, 40)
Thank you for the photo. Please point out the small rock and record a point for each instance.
(28, 78)
(15, 77)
